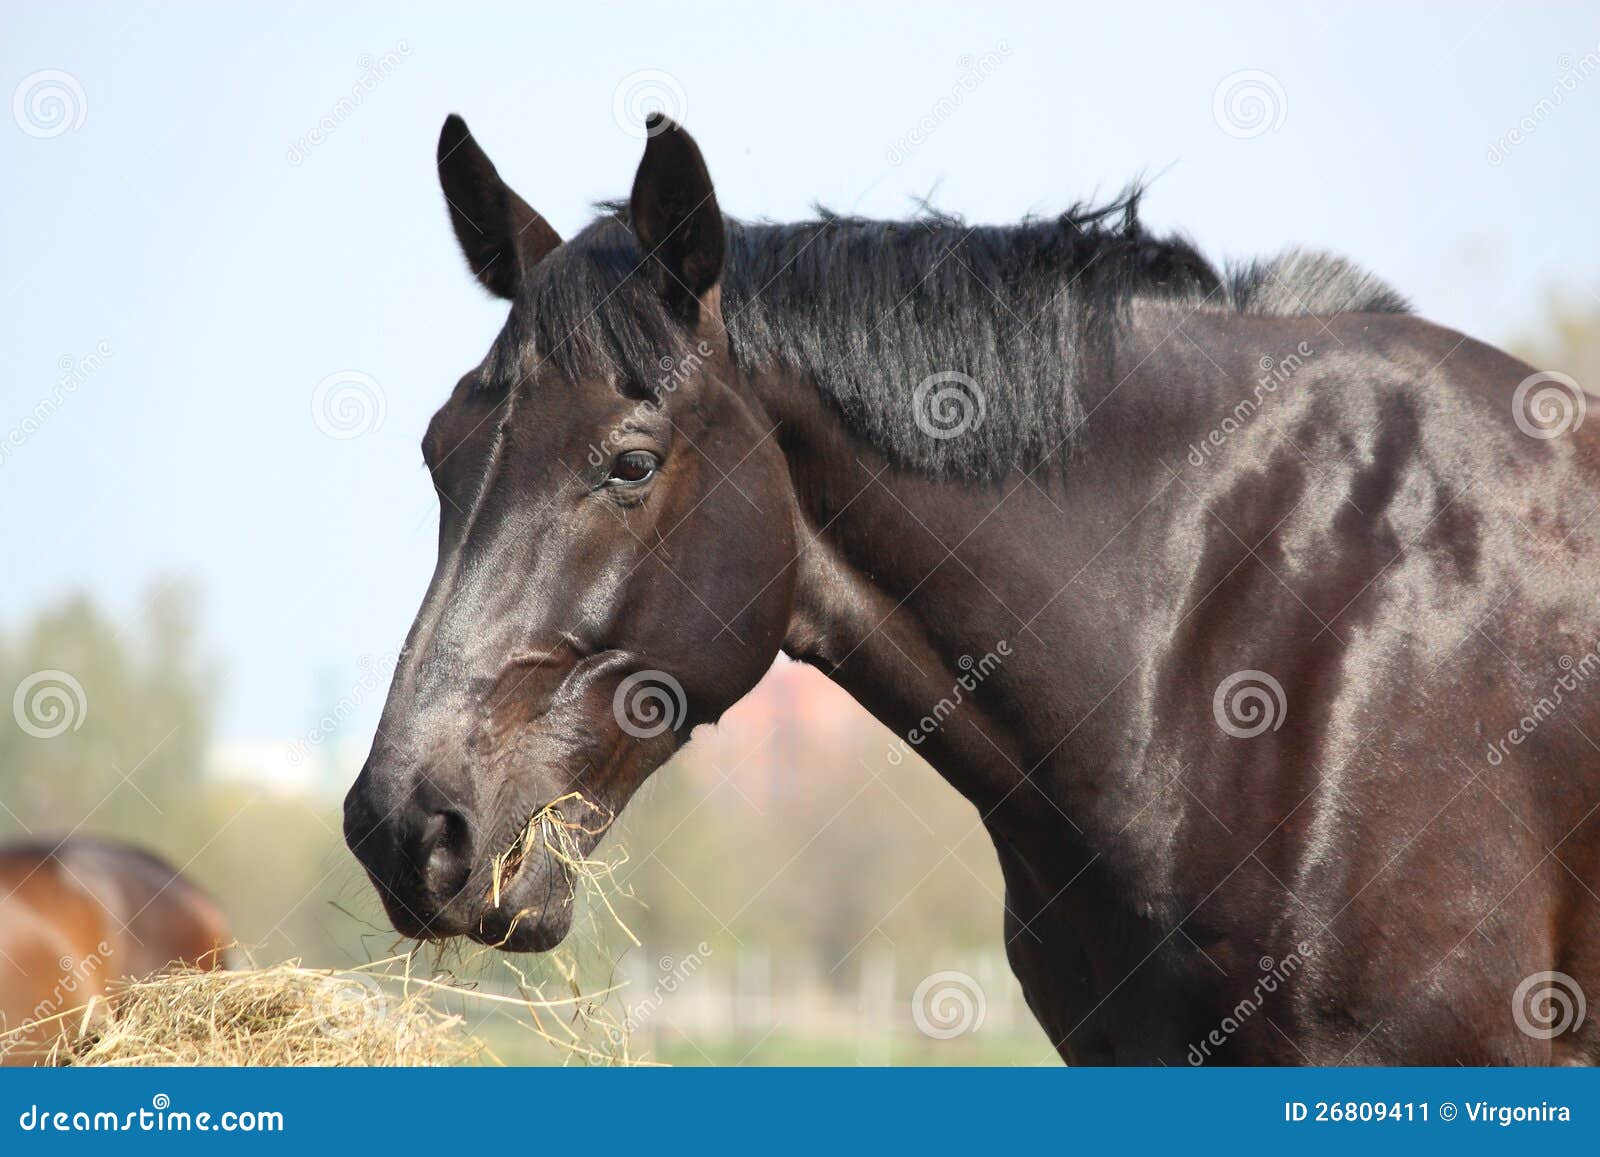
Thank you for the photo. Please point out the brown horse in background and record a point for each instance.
(78, 915)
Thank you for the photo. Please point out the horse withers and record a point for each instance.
(78, 916)
(1290, 744)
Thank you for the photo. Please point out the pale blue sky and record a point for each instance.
(227, 281)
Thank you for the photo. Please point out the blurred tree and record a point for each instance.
(108, 723)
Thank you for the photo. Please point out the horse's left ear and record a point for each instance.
(500, 234)
(676, 219)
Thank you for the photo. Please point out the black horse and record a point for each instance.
(1255, 616)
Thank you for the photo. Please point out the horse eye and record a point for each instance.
(634, 468)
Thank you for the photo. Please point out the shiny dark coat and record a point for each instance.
(1272, 762)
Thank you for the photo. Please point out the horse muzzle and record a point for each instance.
(437, 878)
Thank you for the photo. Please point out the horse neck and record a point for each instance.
(930, 602)
(906, 584)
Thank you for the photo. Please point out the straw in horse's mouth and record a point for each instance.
(550, 831)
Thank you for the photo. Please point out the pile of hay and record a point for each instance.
(284, 1015)
(279, 1015)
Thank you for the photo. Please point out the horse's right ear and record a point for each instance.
(675, 217)
(500, 235)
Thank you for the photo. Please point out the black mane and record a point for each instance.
(869, 310)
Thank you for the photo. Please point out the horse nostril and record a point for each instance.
(432, 829)
(444, 852)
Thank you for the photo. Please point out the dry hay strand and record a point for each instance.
(580, 1027)
(549, 831)
(594, 1032)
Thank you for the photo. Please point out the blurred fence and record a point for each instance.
(876, 1010)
